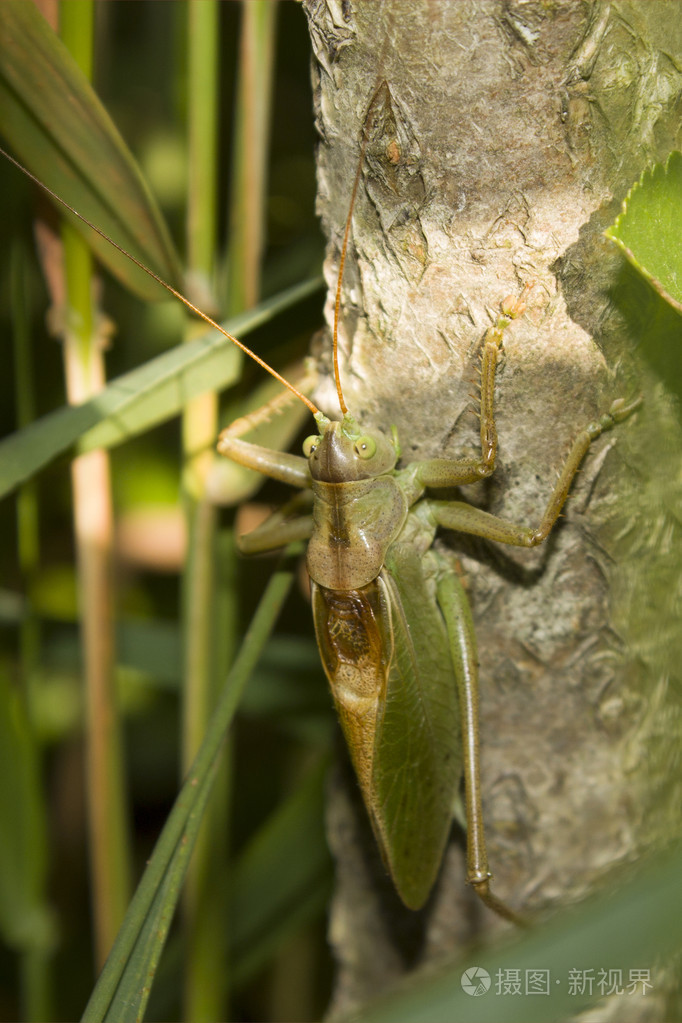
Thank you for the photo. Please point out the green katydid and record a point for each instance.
(391, 616)
(392, 620)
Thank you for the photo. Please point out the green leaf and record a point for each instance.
(632, 929)
(58, 127)
(649, 230)
(137, 400)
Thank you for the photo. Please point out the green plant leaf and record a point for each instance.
(57, 126)
(632, 929)
(649, 230)
(137, 400)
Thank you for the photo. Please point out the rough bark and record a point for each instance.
(508, 135)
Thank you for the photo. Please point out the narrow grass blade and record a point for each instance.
(137, 400)
(123, 958)
(58, 127)
(132, 993)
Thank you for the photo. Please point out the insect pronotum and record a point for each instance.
(392, 620)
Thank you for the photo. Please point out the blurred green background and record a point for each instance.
(284, 728)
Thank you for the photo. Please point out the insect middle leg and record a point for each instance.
(290, 523)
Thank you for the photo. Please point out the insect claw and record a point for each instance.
(515, 307)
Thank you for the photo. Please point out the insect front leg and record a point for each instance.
(288, 524)
(455, 472)
(279, 465)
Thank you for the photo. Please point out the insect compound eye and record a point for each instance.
(365, 447)
(310, 445)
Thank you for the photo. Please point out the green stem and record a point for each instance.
(249, 166)
(200, 420)
(205, 912)
(93, 518)
(28, 537)
(36, 979)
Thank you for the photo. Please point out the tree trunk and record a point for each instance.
(502, 144)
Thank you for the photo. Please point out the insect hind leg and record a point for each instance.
(464, 655)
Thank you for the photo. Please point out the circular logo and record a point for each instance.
(475, 981)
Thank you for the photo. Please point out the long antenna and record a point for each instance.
(165, 284)
(344, 248)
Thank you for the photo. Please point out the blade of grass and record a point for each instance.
(204, 911)
(140, 399)
(26, 920)
(120, 959)
(290, 845)
(132, 994)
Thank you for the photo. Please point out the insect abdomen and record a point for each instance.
(349, 635)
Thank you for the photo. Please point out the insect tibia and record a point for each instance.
(618, 411)
(245, 424)
(277, 405)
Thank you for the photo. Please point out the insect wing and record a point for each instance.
(418, 760)
(384, 650)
